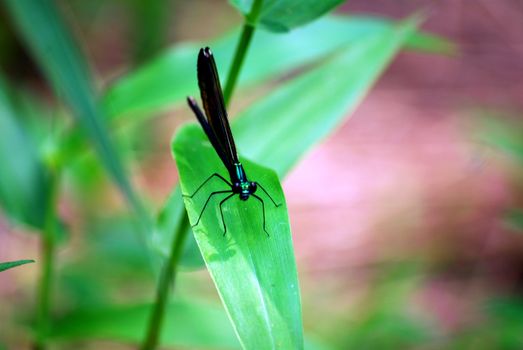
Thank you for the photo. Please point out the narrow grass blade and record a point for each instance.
(164, 82)
(10, 264)
(255, 274)
(23, 179)
(46, 35)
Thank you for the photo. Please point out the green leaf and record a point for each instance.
(255, 274)
(23, 179)
(10, 264)
(500, 130)
(306, 109)
(187, 324)
(514, 219)
(283, 15)
(165, 81)
(46, 35)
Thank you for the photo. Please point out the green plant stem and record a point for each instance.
(167, 279)
(241, 50)
(47, 263)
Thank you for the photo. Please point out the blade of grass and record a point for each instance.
(47, 36)
(10, 264)
(255, 274)
(23, 180)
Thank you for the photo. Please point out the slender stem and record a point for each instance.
(166, 281)
(47, 263)
(239, 55)
(241, 50)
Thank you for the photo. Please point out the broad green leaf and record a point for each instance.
(306, 109)
(46, 35)
(255, 273)
(10, 264)
(187, 324)
(283, 15)
(22, 177)
(167, 81)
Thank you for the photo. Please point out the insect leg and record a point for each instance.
(267, 193)
(208, 179)
(263, 211)
(207, 202)
(221, 212)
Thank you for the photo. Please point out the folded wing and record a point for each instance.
(214, 106)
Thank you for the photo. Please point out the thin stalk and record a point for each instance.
(167, 280)
(47, 263)
(241, 50)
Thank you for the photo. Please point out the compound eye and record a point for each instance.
(253, 186)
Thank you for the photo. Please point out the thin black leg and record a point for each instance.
(208, 179)
(221, 212)
(263, 211)
(207, 202)
(267, 193)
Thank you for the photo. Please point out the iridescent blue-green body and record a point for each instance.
(242, 186)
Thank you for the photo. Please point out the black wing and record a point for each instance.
(214, 106)
(207, 128)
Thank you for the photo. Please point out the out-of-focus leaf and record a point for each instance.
(167, 80)
(502, 132)
(150, 27)
(194, 325)
(283, 15)
(384, 321)
(49, 39)
(305, 110)
(430, 43)
(10, 264)
(113, 260)
(506, 322)
(501, 327)
(23, 181)
(514, 218)
(255, 274)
